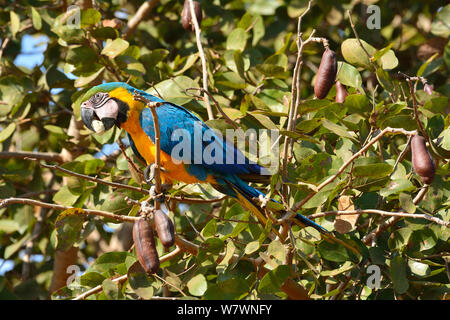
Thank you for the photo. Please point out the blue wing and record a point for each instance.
(188, 139)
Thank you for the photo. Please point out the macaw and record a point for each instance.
(110, 104)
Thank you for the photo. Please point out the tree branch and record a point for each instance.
(46, 156)
(382, 213)
(104, 214)
(140, 15)
(203, 60)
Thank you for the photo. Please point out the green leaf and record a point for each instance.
(274, 279)
(426, 239)
(14, 247)
(139, 282)
(65, 197)
(380, 53)
(9, 226)
(313, 105)
(406, 203)
(348, 75)
(7, 132)
(389, 61)
(354, 54)
(237, 40)
(197, 285)
(115, 47)
(398, 274)
(89, 17)
(36, 19)
(91, 279)
(357, 103)
(397, 186)
(173, 90)
(344, 268)
(55, 129)
(81, 54)
(115, 203)
(374, 170)
(258, 30)
(231, 289)
(68, 228)
(440, 26)
(210, 229)
(337, 129)
(418, 268)
(82, 81)
(399, 239)
(109, 261)
(15, 22)
(214, 245)
(333, 252)
(110, 289)
(252, 247)
(271, 70)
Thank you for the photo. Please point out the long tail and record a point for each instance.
(245, 194)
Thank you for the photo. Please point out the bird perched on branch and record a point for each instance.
(226, 168)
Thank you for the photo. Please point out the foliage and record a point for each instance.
(251, 51)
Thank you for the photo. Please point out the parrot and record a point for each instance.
(113, 104)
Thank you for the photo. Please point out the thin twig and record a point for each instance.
(295, 93)
(105, 214)
(47, 156)
(382, 213)
(140, 15)
(130, 161)
(401, 155)
(202, 58)
(227, 118)
(93, 179)
(349, 13)
(393, 220)
(412, 91)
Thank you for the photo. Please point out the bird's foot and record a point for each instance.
(149, 173)
(159, 196)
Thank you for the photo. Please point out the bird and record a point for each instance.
(114, 104)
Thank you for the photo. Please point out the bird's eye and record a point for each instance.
(96, 98)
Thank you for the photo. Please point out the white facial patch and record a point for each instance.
(98, 126)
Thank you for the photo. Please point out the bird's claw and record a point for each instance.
(149, 173)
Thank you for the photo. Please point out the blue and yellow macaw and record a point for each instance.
(110, 104)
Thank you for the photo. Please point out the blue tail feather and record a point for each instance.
(231, 186)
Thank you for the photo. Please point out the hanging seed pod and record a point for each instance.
(186, 18)
(326, 74)
(422, 161)
(165, 229)
(341, 92)
(144, 243)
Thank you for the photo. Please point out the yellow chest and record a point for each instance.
(147, 149)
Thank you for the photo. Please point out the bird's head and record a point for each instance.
(106, 105)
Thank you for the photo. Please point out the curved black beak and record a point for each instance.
(87, 116)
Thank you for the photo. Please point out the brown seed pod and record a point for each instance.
(326, 74)
(164, 228)
(422, 161)
(186, 18)
(144, 243)
(341, 92)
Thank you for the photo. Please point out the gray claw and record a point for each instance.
(149, 173)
